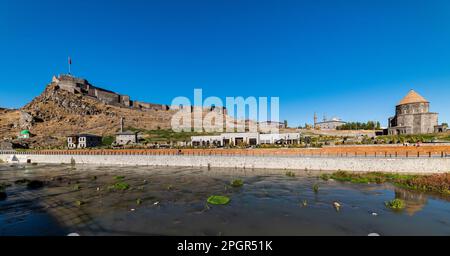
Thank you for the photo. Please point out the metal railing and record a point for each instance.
(243, 152)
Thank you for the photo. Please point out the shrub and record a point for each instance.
(396, 204)
(290, 174)
(120, 186)
(237, 183)
(316, 188)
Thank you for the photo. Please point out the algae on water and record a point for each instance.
(218, 200)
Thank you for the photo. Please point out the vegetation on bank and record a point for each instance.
(370, 125)
(108, 141)
(435, 183)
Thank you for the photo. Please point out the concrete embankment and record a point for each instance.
(415, 165)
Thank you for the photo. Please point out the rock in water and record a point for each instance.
(337, 206)
(35, 184)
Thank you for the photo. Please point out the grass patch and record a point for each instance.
(119, 177)
(79, 203)
(108, 141)
(436, 183)
(396, 204)
(119, 186)
(237, 183)
(316, 188)
(218, 200)
(290, 174)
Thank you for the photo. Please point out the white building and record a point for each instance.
(248, 138)
(279, 138)
(206, 140)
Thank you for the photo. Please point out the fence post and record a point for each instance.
(418, 154)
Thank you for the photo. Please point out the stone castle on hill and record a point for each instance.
(82, 86)
(413, 116)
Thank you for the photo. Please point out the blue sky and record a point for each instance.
(352, 59)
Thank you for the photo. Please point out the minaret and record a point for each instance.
(315, 119)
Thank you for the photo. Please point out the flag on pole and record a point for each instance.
(70, 64)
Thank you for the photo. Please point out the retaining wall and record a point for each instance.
(415, 165)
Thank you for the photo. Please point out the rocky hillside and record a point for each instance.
(57, 113)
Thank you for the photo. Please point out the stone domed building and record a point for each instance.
(413, 116)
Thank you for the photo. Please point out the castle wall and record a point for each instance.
(143, 105)
(125, 100)
(78, 85)
(107, 97)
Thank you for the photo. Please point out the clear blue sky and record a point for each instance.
(352, 59)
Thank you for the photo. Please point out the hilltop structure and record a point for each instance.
(82, 86)
(413, 116)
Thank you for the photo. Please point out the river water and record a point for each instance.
(172, 201)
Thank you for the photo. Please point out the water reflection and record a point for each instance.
(414, 201)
